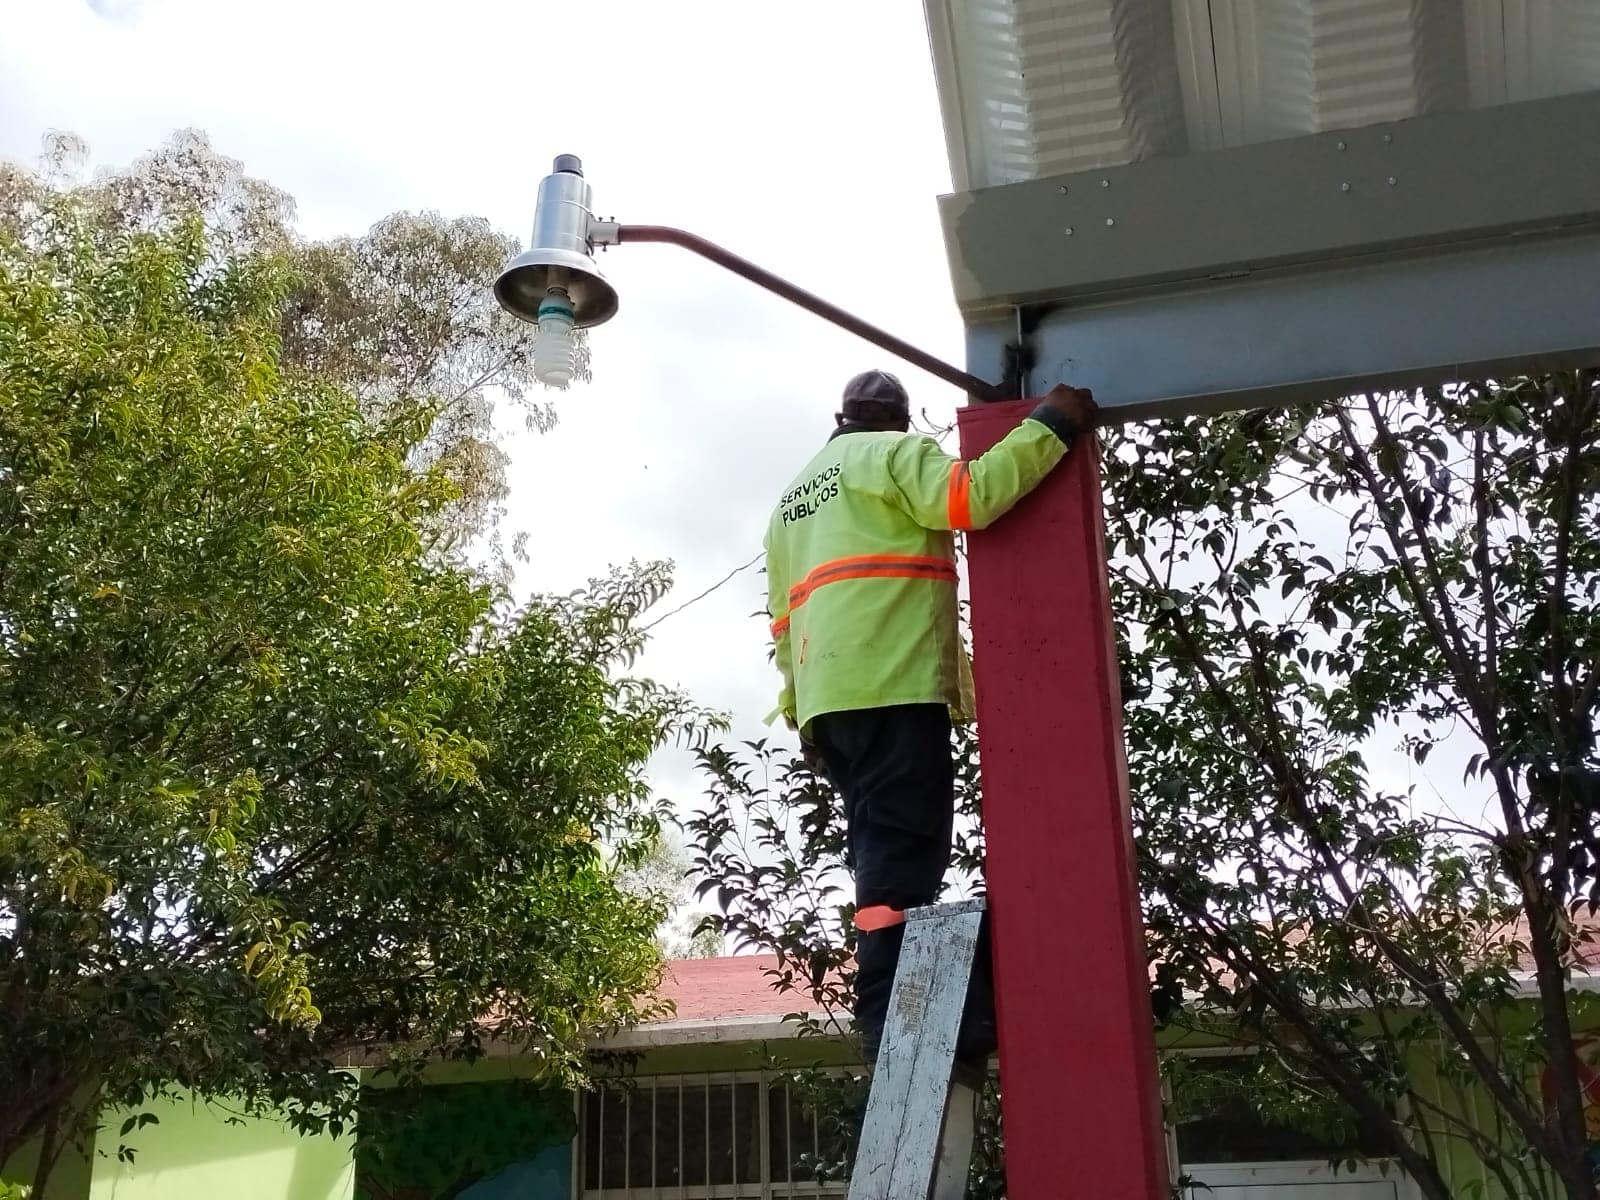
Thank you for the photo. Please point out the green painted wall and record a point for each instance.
(491, 1131)
(194, 1153)
(69, 1178)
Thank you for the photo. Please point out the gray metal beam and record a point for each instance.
(1440, 181)
(989, 345)
(1392, 320)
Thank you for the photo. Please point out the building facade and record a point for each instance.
(716, 1103)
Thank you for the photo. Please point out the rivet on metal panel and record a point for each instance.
(1067, 231)
(1388, 138)
(1344, 187)
(1105, 183)
(1062, 189)
(1111, 220)
(1343, 146)
(1393, 181)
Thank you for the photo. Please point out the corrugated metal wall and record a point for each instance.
(1036, 88)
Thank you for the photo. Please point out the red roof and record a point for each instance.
(710, 988)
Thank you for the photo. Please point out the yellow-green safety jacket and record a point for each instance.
(861, 570)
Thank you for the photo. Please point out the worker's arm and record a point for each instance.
(940, 492)
(778, 607)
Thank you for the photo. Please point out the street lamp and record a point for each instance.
(556, 284)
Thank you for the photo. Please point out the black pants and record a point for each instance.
(893, 771)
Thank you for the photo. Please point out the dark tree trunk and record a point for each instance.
(49, 1151)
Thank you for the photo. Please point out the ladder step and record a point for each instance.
(901, 1143)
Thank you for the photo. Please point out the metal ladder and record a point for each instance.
(916, 1140)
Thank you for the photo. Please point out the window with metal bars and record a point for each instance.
(744, 1136)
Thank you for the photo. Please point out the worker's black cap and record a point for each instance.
(879, 387)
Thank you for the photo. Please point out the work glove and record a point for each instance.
(1075, 406)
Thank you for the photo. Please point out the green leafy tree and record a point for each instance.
(662, 876)
(279, 787)
(1441, 599)
(1401, 955)
(399, 317)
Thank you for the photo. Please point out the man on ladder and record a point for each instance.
(861, 578)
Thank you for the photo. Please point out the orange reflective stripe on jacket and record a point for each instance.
(878, 916)
(871, 566)
(960, 503)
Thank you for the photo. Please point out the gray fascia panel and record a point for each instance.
(1433, 182)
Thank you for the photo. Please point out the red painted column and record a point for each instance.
(1077, 1048)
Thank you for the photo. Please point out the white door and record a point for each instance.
(1289, 1181)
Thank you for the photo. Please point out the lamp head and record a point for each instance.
(560, 256)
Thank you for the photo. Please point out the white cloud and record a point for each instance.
(117, 10)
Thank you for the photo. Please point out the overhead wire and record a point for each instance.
(937, 432)
(701, 596)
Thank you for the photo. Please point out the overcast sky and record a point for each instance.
(804, 137)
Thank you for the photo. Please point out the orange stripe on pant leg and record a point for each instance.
(878, 916)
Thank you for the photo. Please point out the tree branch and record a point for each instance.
(1292, 789)
(1566, 517)
(1329, 1059)
(1466, 668)
(1422, 596)
(1491, 623)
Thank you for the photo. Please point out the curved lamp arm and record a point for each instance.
(609, 233)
